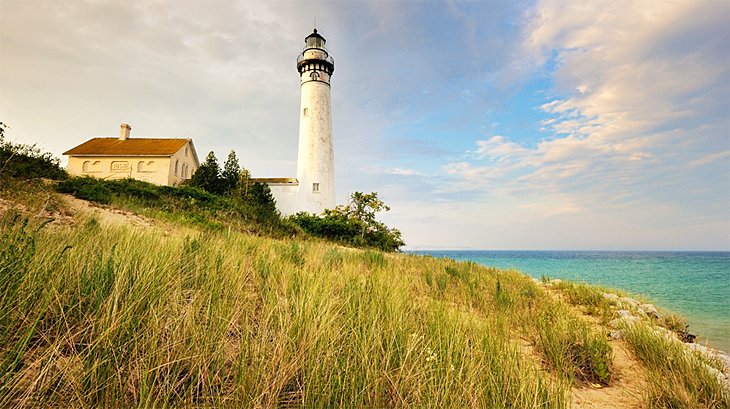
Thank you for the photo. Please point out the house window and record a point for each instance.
(306, 112)
(315, 187)
(177, 163)
(91, 167)
(94, 166)
(146, 166)
(186, 151)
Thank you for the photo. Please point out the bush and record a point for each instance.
(27, 161)
(135, 188)
(86, 188)
(353, 224)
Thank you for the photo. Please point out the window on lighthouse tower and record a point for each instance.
(315, 187)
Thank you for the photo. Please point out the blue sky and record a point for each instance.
(486, 125)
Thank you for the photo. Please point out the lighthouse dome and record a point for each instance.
(314, 40)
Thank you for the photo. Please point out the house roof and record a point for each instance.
(128, 147)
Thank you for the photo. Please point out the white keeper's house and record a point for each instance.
(162, 161)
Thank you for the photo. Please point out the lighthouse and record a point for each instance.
(315, 162)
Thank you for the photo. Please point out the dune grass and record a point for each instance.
(223, 317)
(113, 316)
(589, 298)
(676, 377)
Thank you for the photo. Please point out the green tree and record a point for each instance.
(362, 208)
(255, 199)
(353, 224)
(260, 197)
(244, 182)
(208, 175)
(231, 173)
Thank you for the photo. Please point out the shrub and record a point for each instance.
(353, 224)
(27, 161)
(86, 188)
(589, 297)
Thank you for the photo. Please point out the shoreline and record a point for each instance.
(631, 311)
(709, 318)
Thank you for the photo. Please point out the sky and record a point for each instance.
(577, 125)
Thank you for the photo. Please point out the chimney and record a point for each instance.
(124, 132)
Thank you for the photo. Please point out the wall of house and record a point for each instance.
(146, 168)
(286, 196)
(185, 166)
(160, 170)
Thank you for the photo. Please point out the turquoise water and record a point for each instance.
(694, 284)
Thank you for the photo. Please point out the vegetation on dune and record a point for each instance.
(225, 318)
(353, 224)
(255, 212)
(24, 170)
(213, 199)
(676, 376)
(27, 161)
(248, 207)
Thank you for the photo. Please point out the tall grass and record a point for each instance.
(676, 377)
(572, 347)
(589, 298)
(113, 316)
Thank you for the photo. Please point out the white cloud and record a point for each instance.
(403, 172)
(639, 109)
(710, 158)
(498, 148)
(627, 91)
(624, 73)
(396, 171)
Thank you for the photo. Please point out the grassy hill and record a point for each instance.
(97, 314)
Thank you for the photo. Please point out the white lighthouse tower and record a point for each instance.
(315, 163)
